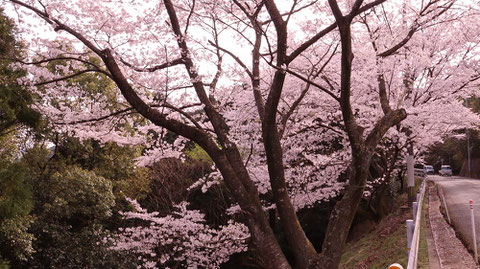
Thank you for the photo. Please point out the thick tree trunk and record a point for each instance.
(343, 213)
(302, 249)
(257, 220)
(362, 148)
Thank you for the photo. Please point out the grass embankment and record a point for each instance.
(387, 243)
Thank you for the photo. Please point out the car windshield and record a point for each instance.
(446, 167)
(428, 166)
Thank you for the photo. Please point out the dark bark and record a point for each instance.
(301, 247)
(231, 166)
(362, 149)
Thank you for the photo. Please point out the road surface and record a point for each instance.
(458, 192)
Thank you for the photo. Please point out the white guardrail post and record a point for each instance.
(415, 242)
(473, 232)
(410, 230)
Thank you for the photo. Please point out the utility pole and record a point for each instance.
(469, 160)
(410, 177)
(410, 170)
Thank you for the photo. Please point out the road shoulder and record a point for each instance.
(433, 259)
(450, 251)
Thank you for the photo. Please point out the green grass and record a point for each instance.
(386, 244)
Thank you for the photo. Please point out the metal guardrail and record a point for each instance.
(419, 172)
(413, 255)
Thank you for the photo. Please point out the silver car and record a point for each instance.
(428, 169)
(445, 170)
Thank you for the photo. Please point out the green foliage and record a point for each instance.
(197, 153)
(108, 160)
(474, 104)
(8, 43)
(16, 203)
(79, 194)
(56, 206)
(90, 86)
(70, 222)
(9, 149)
(14, 100)
(36, 159)
(453, 151)
(74, 205)
(15, 240)
(4, 264)
(15, 191)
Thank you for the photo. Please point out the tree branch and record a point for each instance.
(119, 112)
(97, 68)
(293, 107)
(314, 84)
(66, 77)
(154, 68)
(392, 118)
(59, 26)
(415, 27)
(325, 31)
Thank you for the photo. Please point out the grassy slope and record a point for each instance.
(386, 244)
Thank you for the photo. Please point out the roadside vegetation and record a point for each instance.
(387, 242)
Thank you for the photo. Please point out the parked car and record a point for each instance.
(445, 170)
(422, 170)
(428, 169)
(419, 170)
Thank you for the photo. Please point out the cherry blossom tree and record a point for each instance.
(183, 238)
(286, 98)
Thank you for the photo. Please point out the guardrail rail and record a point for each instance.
(413, 255)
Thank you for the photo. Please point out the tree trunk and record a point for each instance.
(342, 215)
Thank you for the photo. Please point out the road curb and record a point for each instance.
(451, 251)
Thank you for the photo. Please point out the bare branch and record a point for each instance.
(325, 31)
(400, 44)
(356, 6)
(313, 127)
(390, 119)
(292, 109)
(314, 84)
(234, 57)
(131, 110)
(416, 26)
(66, 77)
(221, 128)
(249, 155)
(325, 78)
(215, 79)
(192, 10)
(154, 68)
(97, 68)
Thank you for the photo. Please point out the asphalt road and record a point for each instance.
(458, 192)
